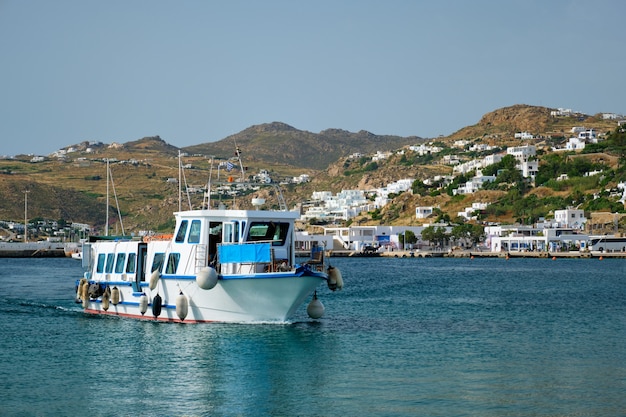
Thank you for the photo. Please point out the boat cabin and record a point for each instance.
(234, 242)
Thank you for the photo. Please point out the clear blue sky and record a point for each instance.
(197, 71)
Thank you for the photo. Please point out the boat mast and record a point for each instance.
(180, 190)
(208, 187)
(26, 215)
(106, 232)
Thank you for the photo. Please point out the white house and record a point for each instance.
(474, 184)
(575, 144)
(400, 185)
(469, 212)
(379, 156)
(529, 168)
(423, 212)
(561, 112)
(527, 238)
(524, 135)
(570, 218)
(522, 153)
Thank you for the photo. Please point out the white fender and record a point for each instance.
(154, 279)
(79, 291)
(206, 278)
(335, 280)
(315, 309)
(115, 296)
(143, 304)
(85, 295)
(182, 306)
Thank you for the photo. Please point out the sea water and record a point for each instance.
(406, 336)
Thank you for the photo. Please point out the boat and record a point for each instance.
(220, 265)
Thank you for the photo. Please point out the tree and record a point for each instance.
(428, 234)
(472, 232)
(407, 238)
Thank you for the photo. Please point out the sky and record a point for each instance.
(198, 71)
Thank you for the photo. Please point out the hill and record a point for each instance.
(73, 187)
(499, 126)
(280, 144)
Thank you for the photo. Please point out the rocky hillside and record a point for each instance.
(502, 124)
(74, 188)
(280, 144)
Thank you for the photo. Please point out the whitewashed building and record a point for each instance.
(570, 218)
(423, 212)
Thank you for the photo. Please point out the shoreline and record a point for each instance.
(472, 254)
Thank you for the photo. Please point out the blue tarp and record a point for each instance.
(258, 252)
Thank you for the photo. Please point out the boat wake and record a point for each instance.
(27, 307)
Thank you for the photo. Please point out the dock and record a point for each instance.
(470, 254)
(32, 250)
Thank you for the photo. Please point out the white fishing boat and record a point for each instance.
(220, 265)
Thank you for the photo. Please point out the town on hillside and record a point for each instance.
(346, 220)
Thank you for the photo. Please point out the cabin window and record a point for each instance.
(182, 231)
(194, 232)
(110, 259)
(268, 231)
(231, 232)
(119, 263)
(100, 267)
(131, 265)
(172, 263)
(157, 262)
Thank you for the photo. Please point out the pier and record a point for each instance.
(470, 254)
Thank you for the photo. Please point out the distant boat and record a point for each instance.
(220, 265)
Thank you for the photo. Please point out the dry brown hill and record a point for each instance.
(502, 124)
(280, 144)
(74, 189)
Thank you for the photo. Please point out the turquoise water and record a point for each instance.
(432, 337)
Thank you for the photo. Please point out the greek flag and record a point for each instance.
(229, 166)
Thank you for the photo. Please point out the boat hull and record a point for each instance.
(237, 299)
